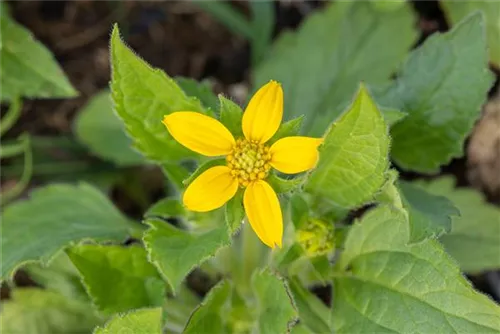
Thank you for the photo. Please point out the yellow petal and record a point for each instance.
(264, 213)
(264, 112)
(199, 133)
(210, 190)
(292, 155)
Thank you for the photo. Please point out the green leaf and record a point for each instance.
(389, 193)
(275, 310)
(300, 328)
(203, 167)
(201, 90)
(28, 68)
(281, 185)
(235, 213)
(231, 116)
(145, 321)
(429, 215)
(474, 240)
(455, 11)
(142, 96)
(98, 127)
(354, 156)
(299, 210)
(168, 207)
(320, 66)
(263, 16)
(118, 278)
(37, 311)
(208, 316)
(441, 87)
(176, 252)
(59, 276)
(53, 218)
(388, 4)
(313, 313)
(288, 256)
(287, 129)
(392, 116)
(229, 16)
(394, 287)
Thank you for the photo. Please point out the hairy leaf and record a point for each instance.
(320, 66)
(53, 218)
(354, 156)
(313, 313)
(27, 67)
(457, 10)
(208, 316)
(474, 240)
(430, 215)
(176, 252)
(441, 87)
(275, 310)
(142, 96)
(118, 278)
(144, 321)
(392, 287)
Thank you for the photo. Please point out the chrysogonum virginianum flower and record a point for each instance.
(248, 160)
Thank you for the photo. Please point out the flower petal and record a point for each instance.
(199, 133)
(292, 155)
(264, 112)
(211, 190)
(264, 213)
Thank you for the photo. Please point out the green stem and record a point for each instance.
(251, 257)
(10, 150)
(15, 191)
(12, 115)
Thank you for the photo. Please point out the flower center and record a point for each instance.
(249, 161)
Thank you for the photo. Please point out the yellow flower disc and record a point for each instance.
(249, 161)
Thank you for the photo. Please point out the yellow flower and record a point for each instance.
(248, 160)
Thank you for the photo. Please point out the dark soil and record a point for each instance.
(178, 38)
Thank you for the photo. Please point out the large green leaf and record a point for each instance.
(442, 87)
(144, 321)
(142, 96)
(320, 66)
(118, 278)
(27, 67)
(176, 252)
(354, 156)
(37, 311)
(457, 10)
(474, 240)
(313, 313)
(430, 215)
(208, 316)
(53, 218)
(100, 129)
(392, 287)
(60, 276)
(275, 310)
